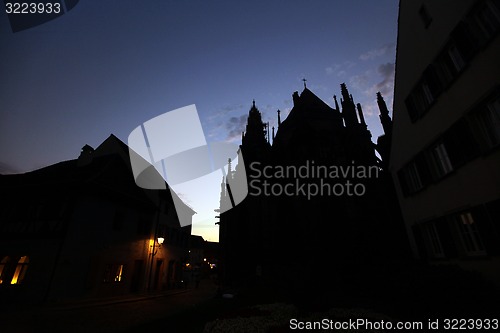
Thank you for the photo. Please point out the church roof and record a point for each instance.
(308, 111)
(313, 102)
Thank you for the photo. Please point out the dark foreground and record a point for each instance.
(417, 294)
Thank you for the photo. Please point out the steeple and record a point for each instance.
(295, 98)
(348, 108)
(361, 117)
(336, 103)
(256, 135)
(384, 114)
(256, 129)
(279, 118)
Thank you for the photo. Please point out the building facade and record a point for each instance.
(83, 229)
(445, 157)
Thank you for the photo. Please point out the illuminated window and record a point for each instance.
(3, 269)
(118, 273)
(20, 272)
(113, 273)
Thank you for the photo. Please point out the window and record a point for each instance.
(469, 234)
(424, 16)
(440, 160)
(465, 41)
(113, 273)
(20, 272)
(484, 22)
(432, 240)
(488, 122)
(410, 178)
(449, 63)
(461, 145)
(3, 269)
(13, 270)
(457, 62)
(419, 101)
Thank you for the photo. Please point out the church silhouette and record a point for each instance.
(321, 209)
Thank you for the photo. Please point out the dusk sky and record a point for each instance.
(108, 66)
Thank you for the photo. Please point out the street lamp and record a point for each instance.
(156, 245)
(154, 250)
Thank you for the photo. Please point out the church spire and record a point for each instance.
(279, 118)
(361, 116)
(384, 114)
(348, 107)
(256, 134)
(336, 103)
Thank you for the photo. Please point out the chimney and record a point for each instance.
(86, 156)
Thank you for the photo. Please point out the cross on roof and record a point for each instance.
(304, 82)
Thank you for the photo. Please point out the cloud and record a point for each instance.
(365, 81)
(384, 49)
(360, 81)
(216, 121)
(368, 109)
(339, 69)
(386, 86)
(234, 127)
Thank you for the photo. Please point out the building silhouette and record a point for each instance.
(445, 156)
(83, 229)
(285, 234)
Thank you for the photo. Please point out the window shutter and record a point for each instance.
(460, 143)
(446, 237)
(423, 169)
(464, 41)
(432, 79)
(419, 240)
(486, 217)
(412, 108)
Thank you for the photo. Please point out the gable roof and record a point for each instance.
(107, 167)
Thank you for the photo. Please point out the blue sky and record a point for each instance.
(108, 66)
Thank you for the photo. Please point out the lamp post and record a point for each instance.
(154, 250)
